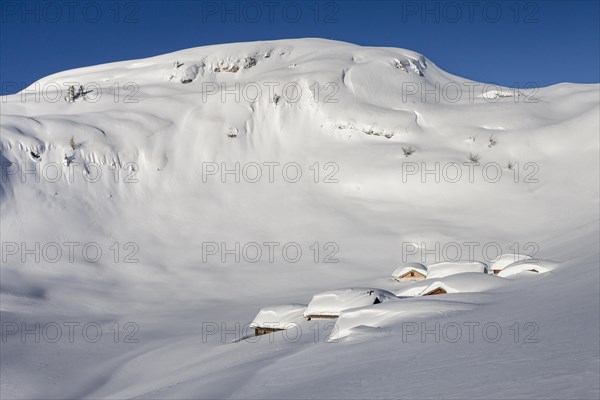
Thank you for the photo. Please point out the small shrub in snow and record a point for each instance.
(474, 158)
(511, 165)
(72, 143)
(492, 142)
(408, 151)
(69, 159)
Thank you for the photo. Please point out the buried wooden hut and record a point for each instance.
(329, 305)
(434, 291)
(412, 271)
(466, 282)
(277, 318)
(504, 260)
(526, 266)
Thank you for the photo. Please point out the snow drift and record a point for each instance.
(331, 303)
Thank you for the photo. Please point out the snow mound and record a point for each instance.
(351, 322)
(443, 269)
(331, 303)
(279, 316)
(466, 282)
(503, 260)
(408, 267)
(535, 266)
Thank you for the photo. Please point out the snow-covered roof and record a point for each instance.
(539, 266)
(504, 260)
(334, 301)
(443, 269)
(465, 283)
(409, 266)
(279, 316)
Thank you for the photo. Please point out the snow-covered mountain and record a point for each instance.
(175, 196)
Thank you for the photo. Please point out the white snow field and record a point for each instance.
(145, 224)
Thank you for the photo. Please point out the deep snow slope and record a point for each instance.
(139, 180)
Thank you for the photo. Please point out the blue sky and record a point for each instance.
(502, 42)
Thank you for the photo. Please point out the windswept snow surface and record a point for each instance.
(383, 318)
(172, 255)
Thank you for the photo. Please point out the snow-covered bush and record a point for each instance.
(474, 158)
(408, 151)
